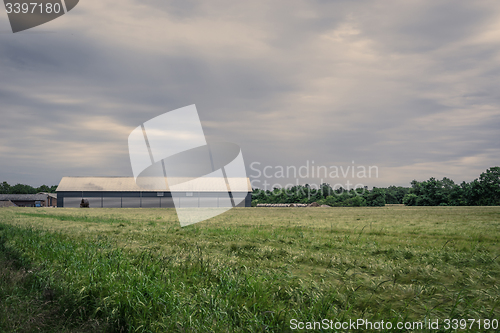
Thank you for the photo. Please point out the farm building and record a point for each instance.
(51, 199)
(30, 200)
(116, 192)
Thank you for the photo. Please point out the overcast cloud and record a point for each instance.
(408, 86)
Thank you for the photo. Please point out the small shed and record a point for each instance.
(28, 200)
(51, 199)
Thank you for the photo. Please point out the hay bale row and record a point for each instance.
(314, 204)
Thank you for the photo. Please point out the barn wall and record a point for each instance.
(145, 199)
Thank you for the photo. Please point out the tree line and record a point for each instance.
(5, 188)
(484, 191)
(324, 195)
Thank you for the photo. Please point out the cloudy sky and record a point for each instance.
(411, 87)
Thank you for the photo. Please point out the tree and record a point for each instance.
(395, 195)
(410, 199)
(431, 192)
(375, 197)
(358, 201)
(22, 189)
(43, 188)
(489, 182)
(4, 188)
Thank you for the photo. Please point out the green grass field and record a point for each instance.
(248, 270)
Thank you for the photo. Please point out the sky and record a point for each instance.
(409, 87)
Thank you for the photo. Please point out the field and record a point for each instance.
(248, 270)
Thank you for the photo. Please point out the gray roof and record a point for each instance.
(23, 197)
(128, 184)
(52, 195)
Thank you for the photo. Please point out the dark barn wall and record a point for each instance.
(248, 200)
(26, 203)
(136, 199)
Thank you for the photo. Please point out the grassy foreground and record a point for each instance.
(248, 270)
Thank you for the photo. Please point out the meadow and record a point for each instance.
(248, 270)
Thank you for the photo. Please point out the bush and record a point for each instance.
(410, 199)
(375, 197)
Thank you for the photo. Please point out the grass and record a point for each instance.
(248, 270)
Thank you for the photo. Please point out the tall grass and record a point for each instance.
(252, 270)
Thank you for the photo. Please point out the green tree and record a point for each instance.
(375, 197)
(43, 188)
(358, 201)
(4, 188)
(22, 189)
(410, 199)
(489, 182)
(395, 195)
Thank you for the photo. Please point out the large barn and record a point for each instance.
(116, 192)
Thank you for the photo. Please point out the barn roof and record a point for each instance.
(128, 184)
(23, 197)
(52, 195)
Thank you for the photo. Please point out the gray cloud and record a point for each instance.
(408, 86)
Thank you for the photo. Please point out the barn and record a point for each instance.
(123, 192)
(29, 200)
